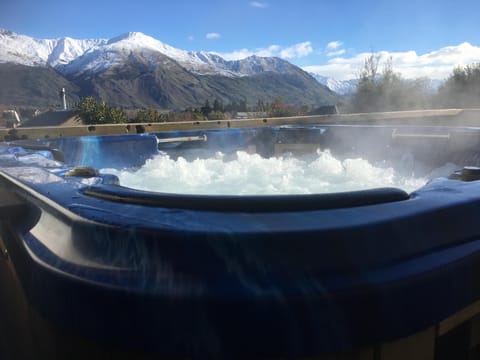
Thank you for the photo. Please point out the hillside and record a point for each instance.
(134, 70)
(24, 85)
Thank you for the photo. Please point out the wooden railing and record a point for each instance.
(457, 117)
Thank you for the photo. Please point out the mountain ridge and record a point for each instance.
(137, 70)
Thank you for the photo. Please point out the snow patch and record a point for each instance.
(72, 56)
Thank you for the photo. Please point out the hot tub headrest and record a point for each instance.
(247, 203)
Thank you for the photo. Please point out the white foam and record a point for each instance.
(250, 174)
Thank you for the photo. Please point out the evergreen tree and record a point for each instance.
(218, 105)
(260, 106)
(93, 112)
(243, 106)
(206, 109)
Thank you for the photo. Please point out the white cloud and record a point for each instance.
(336, 53)
(237, 54)
(333, 45)
(258, 4)
(272, 50)
(212, 35)
(437, 64)
(334, 48)
(191, 37)
(295, 51)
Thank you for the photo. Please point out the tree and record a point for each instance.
(242, 106)
(206, 109)
(462, 88)
(279, 109)
(87, 110)
(93, 112)
(218, 105)
(217, 115)
(261, 106)
(149, 115)
(366, 95)
(387, 91)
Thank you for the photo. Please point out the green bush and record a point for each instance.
(93, 112)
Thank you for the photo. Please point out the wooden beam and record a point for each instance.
(425, 117)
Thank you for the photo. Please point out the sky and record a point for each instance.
(331, 38)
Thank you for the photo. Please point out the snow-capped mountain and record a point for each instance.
(135, 70)
(71, 56)
(342, 87)
(348, 87)
(25, 50)
(116, 50)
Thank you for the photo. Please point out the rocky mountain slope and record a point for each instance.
(341, 87)
(137, 71)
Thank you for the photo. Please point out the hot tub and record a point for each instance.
(93, 269)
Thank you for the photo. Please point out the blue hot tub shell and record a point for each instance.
(237, 276)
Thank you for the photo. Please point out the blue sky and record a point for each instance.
(423, 37)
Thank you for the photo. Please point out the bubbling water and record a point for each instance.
(251, 174)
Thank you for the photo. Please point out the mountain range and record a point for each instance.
(341, 87)
(134, 70)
